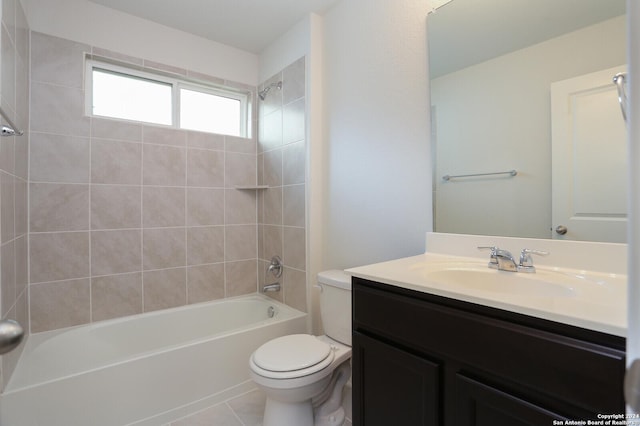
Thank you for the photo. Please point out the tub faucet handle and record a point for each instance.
(275, 267)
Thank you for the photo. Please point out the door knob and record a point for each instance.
(561, 230)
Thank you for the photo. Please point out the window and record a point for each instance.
(119, 92)
(123, 96)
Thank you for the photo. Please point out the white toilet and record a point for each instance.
(303, 375)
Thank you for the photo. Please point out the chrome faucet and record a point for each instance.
(500, 259)
(503, 260)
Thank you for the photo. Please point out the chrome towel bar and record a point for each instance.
(510, 172)
(9, 130)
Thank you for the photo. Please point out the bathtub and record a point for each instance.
(146, 369)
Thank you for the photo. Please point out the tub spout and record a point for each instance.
(271, 287)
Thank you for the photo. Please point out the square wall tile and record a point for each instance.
(59, 207)
(116, 207)
(240, 169)
(163, 165)
(205, 244)
(164, 289)
(205, 283)
(240, 242)
(205, 168)
(56, 158)
(60, 304)
(58, 109)
(59, 256)
(116, 296)
(240, 207)
(116, 162)
(163, 248)
(205, 206)
(242, 277)
(115, 252)
(163, 206)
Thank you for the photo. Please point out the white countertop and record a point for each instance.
(591, 300)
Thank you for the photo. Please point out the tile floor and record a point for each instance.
(243, 410)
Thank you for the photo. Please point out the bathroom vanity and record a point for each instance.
(428, 353)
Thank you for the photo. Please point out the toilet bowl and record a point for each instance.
(303, 375)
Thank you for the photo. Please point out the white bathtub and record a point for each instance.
(146, 369)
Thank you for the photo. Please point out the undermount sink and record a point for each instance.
(490, 280)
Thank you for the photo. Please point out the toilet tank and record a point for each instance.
(335, 305)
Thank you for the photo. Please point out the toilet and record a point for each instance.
(303, 375)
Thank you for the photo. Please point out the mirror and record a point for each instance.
(492, 64)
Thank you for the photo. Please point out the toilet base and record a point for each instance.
(334, 419)
(277, 413)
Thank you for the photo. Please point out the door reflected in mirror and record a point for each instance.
(492, 65)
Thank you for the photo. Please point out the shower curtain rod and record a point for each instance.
(9, 130)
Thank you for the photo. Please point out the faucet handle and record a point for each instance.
(493, 249)
(493, 261)
(525, 257)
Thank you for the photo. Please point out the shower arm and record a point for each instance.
(619, 80)
(263, 93)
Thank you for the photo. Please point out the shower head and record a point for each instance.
(263, 92)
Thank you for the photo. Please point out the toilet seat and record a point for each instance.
(292, 356)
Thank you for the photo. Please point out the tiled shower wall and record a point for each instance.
(128, 218)
(14, 98)
(281, 167)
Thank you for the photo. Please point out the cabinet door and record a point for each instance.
(393, 387)
(481, 405)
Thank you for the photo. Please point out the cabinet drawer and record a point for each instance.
(584, 374)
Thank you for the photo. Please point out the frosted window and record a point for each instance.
(209, 113)
(132, 98)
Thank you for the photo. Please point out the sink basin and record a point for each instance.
(585, 298)
(493, 281)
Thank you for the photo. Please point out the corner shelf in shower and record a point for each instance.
(252, 187)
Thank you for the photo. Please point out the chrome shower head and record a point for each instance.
(263, 92)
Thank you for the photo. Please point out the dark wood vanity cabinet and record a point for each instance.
(420, 359)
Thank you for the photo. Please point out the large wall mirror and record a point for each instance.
(527, 86)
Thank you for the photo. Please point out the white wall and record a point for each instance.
(495, 116)
(377, 173)
(96, 25)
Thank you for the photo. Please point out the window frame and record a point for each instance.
(176, 84)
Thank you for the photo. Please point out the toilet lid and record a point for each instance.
(290, 353)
